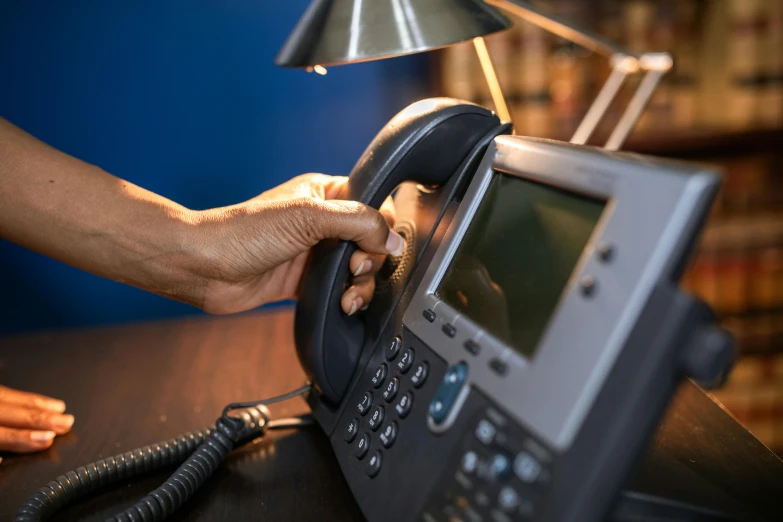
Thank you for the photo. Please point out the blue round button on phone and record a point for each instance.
(447, 392)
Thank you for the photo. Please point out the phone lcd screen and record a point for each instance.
(516, 258)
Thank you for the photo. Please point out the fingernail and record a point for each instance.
(50, 404)
(363, 267)
(394, 243)
(64, 422)
(365, 307)
(355, 304)
(42, 436)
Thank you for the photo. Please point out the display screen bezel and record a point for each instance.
(649, 204)
(526, 351)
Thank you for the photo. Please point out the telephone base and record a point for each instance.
(702, 466)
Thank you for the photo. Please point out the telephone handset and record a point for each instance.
(424, 144)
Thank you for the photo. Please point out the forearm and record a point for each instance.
(64, 208)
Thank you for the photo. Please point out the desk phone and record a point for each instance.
(520, 353)
(516, 357)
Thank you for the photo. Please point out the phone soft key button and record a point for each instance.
(449, 329)
(498, 366)
(406, 361)
(472, 346)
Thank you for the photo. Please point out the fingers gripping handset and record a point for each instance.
(425, 143)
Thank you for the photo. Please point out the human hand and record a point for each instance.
(255, 252)
(29, 422)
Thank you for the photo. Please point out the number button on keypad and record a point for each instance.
(364, 405)
(393, 348)
(376, 418)
(420, 374)
(389, 434)
(406, 361)
(362, 446)
(374, 464)
(351, 430)
(404, 405)
(390, 392)
(379, 375)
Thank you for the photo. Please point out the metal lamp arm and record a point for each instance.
(623, 62)
(562, 28)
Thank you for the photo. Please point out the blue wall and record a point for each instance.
(182, 98)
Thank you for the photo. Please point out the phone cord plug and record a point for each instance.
(198, 454)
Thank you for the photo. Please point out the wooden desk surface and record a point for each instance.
(134, 385)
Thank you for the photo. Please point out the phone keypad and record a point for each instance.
(390, 380)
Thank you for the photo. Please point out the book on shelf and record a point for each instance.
(728, 71)
(754, 396)
(771, 96)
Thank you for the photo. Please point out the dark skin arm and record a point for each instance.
(222, 260)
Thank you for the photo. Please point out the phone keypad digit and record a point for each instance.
(406, 361)
(364, 405)
(362, 446)
(392, 387)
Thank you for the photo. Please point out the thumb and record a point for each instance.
(350, 221)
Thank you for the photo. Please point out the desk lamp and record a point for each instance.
(335, 32)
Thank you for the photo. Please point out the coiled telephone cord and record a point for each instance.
(198, 454)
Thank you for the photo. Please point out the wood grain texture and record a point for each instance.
(129, 386)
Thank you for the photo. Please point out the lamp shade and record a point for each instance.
(333, 32)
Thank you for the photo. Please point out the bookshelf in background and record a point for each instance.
(721, 105)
